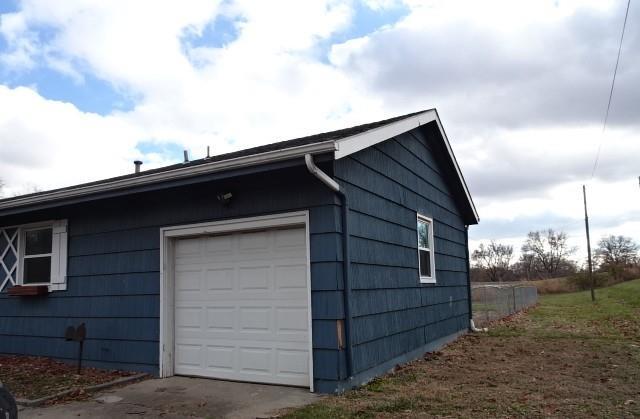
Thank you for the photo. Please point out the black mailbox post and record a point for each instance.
(78, 335)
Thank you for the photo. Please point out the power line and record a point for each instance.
(613, 83)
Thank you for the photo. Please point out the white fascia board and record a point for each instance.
(355, 143)
(179, 173)
(458, 171)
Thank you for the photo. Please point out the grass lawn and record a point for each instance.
(568, 357)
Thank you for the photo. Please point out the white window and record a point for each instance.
(34, 254)
(426, 257)
(37, 253)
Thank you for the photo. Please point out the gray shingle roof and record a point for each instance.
(280, 145)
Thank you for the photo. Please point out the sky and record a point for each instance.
(86, 87)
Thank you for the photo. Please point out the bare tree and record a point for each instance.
(526, 266)
(615, 253)
(550, 251)
(495, 258)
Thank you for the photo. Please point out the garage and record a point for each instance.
(241, 305)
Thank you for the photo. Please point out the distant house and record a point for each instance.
(319, 262)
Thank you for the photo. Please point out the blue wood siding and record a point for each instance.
(393, 313)
(113, 269)
(113, 265)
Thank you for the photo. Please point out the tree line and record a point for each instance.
(547, 254)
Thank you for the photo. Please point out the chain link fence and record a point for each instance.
(496, 301)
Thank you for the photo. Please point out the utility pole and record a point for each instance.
(586, 224)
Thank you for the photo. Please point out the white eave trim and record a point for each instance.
(353, 144)
(179, 173)
(341, 148)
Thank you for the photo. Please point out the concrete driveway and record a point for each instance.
(180, 397)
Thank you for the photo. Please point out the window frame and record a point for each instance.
(22, 243)
(58, 257)
(431, 249)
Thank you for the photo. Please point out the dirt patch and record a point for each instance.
(29, 377)
(565, 358)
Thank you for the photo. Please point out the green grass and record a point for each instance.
(567, 357)
(613, 316)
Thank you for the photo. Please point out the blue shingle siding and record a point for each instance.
(393, 313)
(113, 269)
(114, 257)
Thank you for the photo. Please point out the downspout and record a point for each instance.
(472, 326)
(346, 265)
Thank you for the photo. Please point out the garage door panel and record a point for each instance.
(255, 320)
(256, 360)
(254, 241)
(288, 277)
(188, 248)
(222, 245)
(188, 280)
(289, 238)
(220, 358)
(219, 279)
(254, 277)
(242, 307)
(291, 320)
(292, 362)
(188, 318)
(220, 319)
(188, 355)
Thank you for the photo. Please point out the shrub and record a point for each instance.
(581, 280)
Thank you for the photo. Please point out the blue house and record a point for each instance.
(318, 262)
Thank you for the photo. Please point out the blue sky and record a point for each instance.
(88, 87)
(94, 94)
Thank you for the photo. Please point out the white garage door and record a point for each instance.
(241, 309)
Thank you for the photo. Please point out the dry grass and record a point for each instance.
(553, 285)
(567, 357)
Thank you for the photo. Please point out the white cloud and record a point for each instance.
(518, 84)
(48, 143)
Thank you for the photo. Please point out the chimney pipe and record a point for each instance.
(137, 163)
(186, 156)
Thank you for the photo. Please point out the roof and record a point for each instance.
(342, 142)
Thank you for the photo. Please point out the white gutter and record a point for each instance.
(346, 261)
(474, 329)
(179, 173)
(324, 178)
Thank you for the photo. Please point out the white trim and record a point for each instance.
(458, 171)
(427, 279)
(5, 270)
(21, 252)
(58, 255)
(353, 144)
(167, 238)
(179, 173)
(341, 148)
(309, 312)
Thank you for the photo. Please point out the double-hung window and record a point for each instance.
(37, 255)
(34, 254)
(426, 258)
